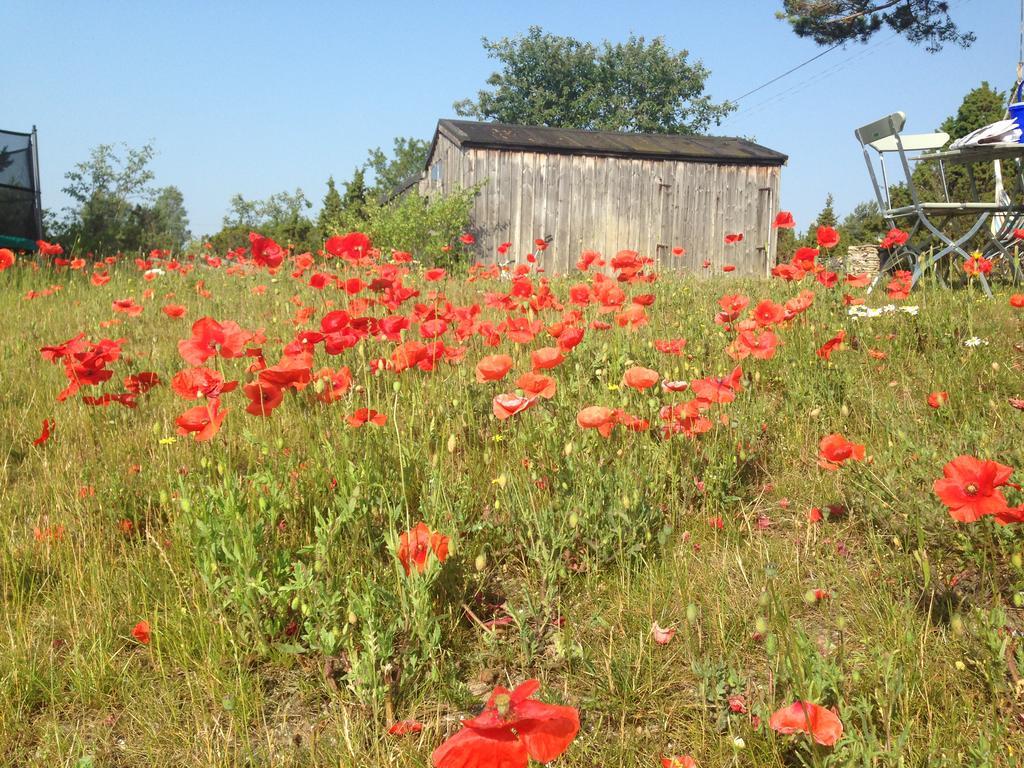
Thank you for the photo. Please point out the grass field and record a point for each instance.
(283, 629)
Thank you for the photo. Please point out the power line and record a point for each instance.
(788, 72)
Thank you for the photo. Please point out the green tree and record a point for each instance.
(827, 217)
(330, 211)
(111, 193)
(831, 22)
(559, 81)
(353, 202)
(166, 222)
(281, 217)
(407, 159)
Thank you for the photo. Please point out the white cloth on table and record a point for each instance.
(999, 132)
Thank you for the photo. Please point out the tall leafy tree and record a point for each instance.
(407, 158)
(166, 222)
(282, 216)
(330, 210)
(559, 81)
(110, 192)
(830, 22)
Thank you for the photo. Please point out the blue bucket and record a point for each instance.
(1017, 111)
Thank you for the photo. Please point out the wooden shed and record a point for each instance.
(606, 191)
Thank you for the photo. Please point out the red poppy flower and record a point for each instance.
(493, 368)
(734, 238)
(768, 313)
(127, 307)
(978, 265)
(784, 220)
(597, 417)
(141, 632)
(936, 399)
(512, 729)
(728, 268)
(210, 338)
(174, 310)
(49, 249)
(546, 358)
(433, 275)
(640, 378)
(505, 406)
(715, 389)
(969, 488)
(679, 761)
(678, 251)
(662, 635)
(353, 246)
(467, 239)
(202, 422)
(823, 725)
(416, 544)
(193, 383)
(367, 416)
(537, 385)
(503, 248)
(858, 281)
(830, 346)
(405, 727)
(45, 434)
(827, 237)
(834, 450)
(6, 258)
(1017, 300)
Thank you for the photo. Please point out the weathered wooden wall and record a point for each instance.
(609, 203)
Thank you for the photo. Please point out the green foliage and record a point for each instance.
(281, 217)
(115, 208)
(414, 223)
(841, 21)
(559, 81)
(409, 155)
(330, 210)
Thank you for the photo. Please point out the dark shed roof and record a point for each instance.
(572, 141)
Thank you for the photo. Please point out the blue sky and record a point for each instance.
(259, 97)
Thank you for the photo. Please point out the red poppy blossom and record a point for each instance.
(493, 368)
(512, 729)
(827, 237)
(174, 310)
(415, 546)
(433, 275)
(830, 346)
(784, 220)
(597, 417)
(6, 258)
(505, 406)
(1017, 301)
(768, 313)
(202, 422)
(367, 416)
(662, 635)
(141, 632)
(728, 268)
(640, 378)
(466, 238)
(823, 725)
(405, 727)
(353, 246)
(546, 358)
(537, 385)
(45, 434)
(936, 399)
(679, 761)
(834, 450)
(970, 488)
(734, 238)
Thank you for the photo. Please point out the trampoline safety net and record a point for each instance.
(19, 187)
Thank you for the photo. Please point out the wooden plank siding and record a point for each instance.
(611, 203)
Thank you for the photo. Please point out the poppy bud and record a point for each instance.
(352, 618)
(319, 386)
(574, 520)
(481, 562)
(304, 609)
(1018, 600)
(1017, 560)
(396, 385)
(757, 376)
(163, 497)
(957, 624)
(809, 596)
(451, 444)
(995, 366)
(764, 599)
(156, 428)
(204, 462)
(280, 443)
(691, 613)
(186, 506)
(771, 644)
(567, 451)
(761, 625)
(295, 603)
(738, 743)
(844, 410)
(815, 413)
